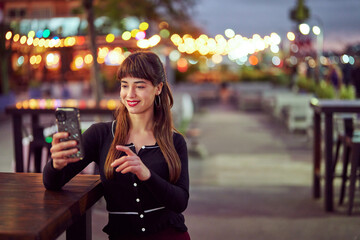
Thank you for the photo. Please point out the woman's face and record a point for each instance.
(138, 94)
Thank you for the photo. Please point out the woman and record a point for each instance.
(143, 161)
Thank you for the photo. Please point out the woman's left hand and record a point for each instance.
(131, 163)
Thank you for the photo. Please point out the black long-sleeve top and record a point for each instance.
(134, 206)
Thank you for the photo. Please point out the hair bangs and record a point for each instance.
(137, 67)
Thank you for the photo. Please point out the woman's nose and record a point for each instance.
(131, 92)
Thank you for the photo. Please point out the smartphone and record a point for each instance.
(68, 120)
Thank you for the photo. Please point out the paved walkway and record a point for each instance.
(255, 183)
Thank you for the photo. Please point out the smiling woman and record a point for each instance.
(142, 159)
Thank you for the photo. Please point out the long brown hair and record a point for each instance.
(147, 65)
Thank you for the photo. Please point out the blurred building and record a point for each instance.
(49, 44)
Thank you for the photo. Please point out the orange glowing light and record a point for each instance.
(253, 60)
(80, 40)
(103, 103)
(18, 105)
(182, 65)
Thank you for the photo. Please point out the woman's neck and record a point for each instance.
(141, 122)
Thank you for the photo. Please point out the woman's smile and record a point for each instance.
(132, 103)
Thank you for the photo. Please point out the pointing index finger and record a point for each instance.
(127, 150)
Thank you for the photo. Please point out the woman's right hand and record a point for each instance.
(60, 151)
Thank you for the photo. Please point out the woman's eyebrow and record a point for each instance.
(141, 81)
(136, 82)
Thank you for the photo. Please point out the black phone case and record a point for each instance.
(68, 120)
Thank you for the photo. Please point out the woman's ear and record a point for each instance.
(159, 88)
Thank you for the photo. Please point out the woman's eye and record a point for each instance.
(140, 86)
(123, 86)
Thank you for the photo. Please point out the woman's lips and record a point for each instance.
(132, 103)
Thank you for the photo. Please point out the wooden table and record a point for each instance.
(29, 211)
(327, 108)
(37, 107)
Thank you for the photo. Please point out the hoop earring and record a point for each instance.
(157, 101)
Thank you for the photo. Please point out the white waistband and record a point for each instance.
(136, 213)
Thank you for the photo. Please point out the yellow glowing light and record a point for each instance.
(103, 52)
(229, 33)
(58, 43)
(199, 42)
(211, 43)
(275, 38)
(304, 28)
(41, 42)
(111, 104)
(134, 32)
(52, 60)
(33, 104)
(316, 30)
(204, 50)
(47, 43)
(36, 42)
(100, 60)
(154, 40)
(115, 58)
(72, 41)
(143, 26)
(176, 39)
(290, 36)
(190, 45)
(31, 34)
(52, 43)
(16, 37)
(217, 58)
(219, 37)
(38, 59)
(30, 41)
(118, 49)
(88, 59)
(23, 39)
(182, 48)
(126, 35)
(203, 36)
(8, 35)
(33, 60)
(71, 103)
(79, 62)
(143, 43)
(110, 38)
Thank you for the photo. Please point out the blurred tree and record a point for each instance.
(5, 55)
(174, 11)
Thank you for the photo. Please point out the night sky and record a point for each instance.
(340, 18)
